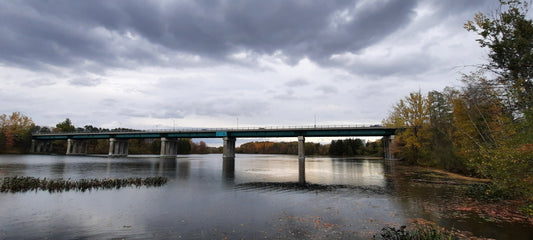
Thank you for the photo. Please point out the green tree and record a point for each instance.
(374, 148)
(490, 141)
(508, 35)
(184, 146)
(65, 126)
(494, 115)
(442, 129)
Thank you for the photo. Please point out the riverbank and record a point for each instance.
(467, 198)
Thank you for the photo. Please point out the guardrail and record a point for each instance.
(221, 129)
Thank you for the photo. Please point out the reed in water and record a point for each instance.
(24, 184)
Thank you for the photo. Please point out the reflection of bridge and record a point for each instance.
(118, 141)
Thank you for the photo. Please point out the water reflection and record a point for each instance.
(351, 174)
(184, 169)
(228, 169)
(58, 168)
(167, 167)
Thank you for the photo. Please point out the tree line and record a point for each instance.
(16, 130)
(347, 147)
(484, 128)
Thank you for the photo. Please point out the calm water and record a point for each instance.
(260, 198)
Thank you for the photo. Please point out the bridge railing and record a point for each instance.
(219, 129)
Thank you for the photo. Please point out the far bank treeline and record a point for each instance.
(16, 129)
(484, 128)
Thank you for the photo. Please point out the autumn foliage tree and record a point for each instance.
(497, 120)
(412, 114)
(15, 132)
(486, 126)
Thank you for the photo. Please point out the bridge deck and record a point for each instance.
(229, 132)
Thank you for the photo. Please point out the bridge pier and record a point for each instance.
(301, 159)
(169, 147)
(228, 151)
(301, 148)
(387, 147)
(77, 147)
(118, 148)
(228, 158)
(38, 146)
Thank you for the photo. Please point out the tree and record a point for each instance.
(442, 130)
(494, 115)
(16, 132)
(201, 148)
(374, 148)
(509, 37)
(412, 113)
(490, 140)
(184, 146)
(65, 126)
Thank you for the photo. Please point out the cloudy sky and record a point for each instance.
(165, 64)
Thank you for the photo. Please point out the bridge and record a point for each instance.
(118, 141)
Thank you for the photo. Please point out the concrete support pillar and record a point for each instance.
(169, 147)
(228, 158)
(386, 153)
(163, 146)
(228, 150)
(47, 146)
(75, 147)
(41, 146)
(301, 148)
(125, 147)
(301, 159)
(69, 146)
(111, 146)
(118, 148)
(387, 147)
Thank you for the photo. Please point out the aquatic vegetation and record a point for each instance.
(420, 232)
(296, 186)
(24, 184)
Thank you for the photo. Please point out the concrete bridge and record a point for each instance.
(118, 141)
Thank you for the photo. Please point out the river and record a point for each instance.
(261, 197)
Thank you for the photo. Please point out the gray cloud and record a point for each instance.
(220, 59)
(286, 96)
(297, 83)
(118, 33)
(39, 82)
(85, 81)
(328, 89)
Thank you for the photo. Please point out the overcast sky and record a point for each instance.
(165, 64)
